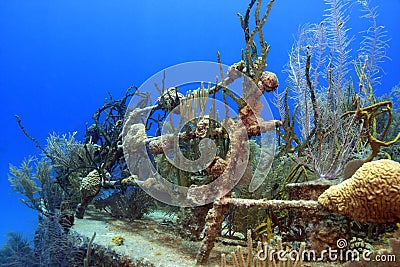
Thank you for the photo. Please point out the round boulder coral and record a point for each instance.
(90, 187)
(91, 184)
(372, 194)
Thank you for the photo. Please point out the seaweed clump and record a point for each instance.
(128, 204)
(17, 251)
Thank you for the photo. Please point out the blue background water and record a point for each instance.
(58, 60)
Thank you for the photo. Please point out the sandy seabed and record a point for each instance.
(151, 240)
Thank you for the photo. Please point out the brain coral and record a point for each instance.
(372, 194)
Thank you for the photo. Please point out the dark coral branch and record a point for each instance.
(312, 93)
(245, 21)
(30, 137)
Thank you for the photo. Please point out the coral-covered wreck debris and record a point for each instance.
(192, 176)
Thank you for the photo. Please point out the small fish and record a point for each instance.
(351, 167)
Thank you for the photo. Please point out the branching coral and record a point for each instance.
(68, 160)
(254, 63)
(368, 116)
(54, 188)
(328, 139)
(328, 144)
(108, 123)
(264, 255)
(311, 44)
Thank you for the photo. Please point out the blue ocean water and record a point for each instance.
(59, 60)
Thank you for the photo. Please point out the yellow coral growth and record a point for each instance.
(117, 240)
(372, 194)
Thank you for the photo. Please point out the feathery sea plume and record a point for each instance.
(319, 64)
(312, 41)
(338, 42)
(374, 44)
(33, 180)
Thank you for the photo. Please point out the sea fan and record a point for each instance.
(279, 103)
(374, 44)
